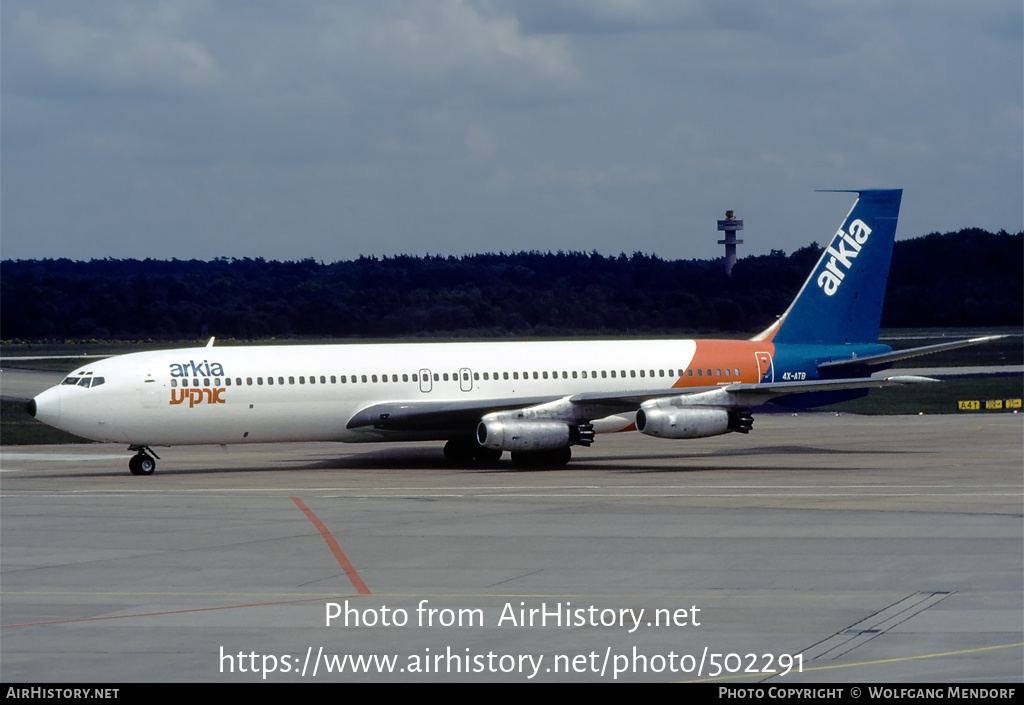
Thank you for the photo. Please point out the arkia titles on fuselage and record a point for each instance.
(534, 399)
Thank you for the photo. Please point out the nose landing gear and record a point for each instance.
(142, 463)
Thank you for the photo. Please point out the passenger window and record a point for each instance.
(604, 374)
(689, 373)
(184, 383)
(270, 380)
(613, 374)
(436, 378)
(248, 381)
(737, 371)
(515, 375)
(362, 378)
(227, 381)
(405, 378)
(206, 381)
(535, 375)
(505, 376)
(700, 373)
(718, 373)
(174, 382)
(641, 373)
(726, 371)
(373, 378)
(323, 380)
(545, 374)
(259, 381)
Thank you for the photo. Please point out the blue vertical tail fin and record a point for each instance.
(841, 301)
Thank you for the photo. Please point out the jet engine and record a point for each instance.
(665, 419)
(501, 434)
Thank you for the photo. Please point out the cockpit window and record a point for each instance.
(84, 381)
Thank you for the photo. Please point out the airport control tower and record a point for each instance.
(730, 225)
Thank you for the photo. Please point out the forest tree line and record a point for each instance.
(968, 278)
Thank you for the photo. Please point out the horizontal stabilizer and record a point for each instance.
(832, 385)
(888, 358)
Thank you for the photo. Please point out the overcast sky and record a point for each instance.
(288, 130)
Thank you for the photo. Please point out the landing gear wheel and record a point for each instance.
(469, 452)
(542, 459)
(486, 456)
(459, 452)
(142, 464)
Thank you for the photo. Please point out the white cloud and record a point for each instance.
(134, 52)
(439, 39)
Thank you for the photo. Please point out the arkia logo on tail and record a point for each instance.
(830, 279)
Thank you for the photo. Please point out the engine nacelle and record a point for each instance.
(507, 434)
(682, 422)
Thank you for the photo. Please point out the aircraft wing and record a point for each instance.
(435, 415)
(462, 416)
(747, 393)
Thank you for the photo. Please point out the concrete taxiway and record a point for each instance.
(865, 549)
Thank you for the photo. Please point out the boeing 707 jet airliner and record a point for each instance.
(534, 399)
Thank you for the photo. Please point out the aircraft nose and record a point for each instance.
(46, 407)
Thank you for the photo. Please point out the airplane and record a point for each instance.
(534, 399)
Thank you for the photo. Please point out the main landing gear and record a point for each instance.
(469, 452)
(542, 459)
(142, 463)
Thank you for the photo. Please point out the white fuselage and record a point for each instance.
(310, 392)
